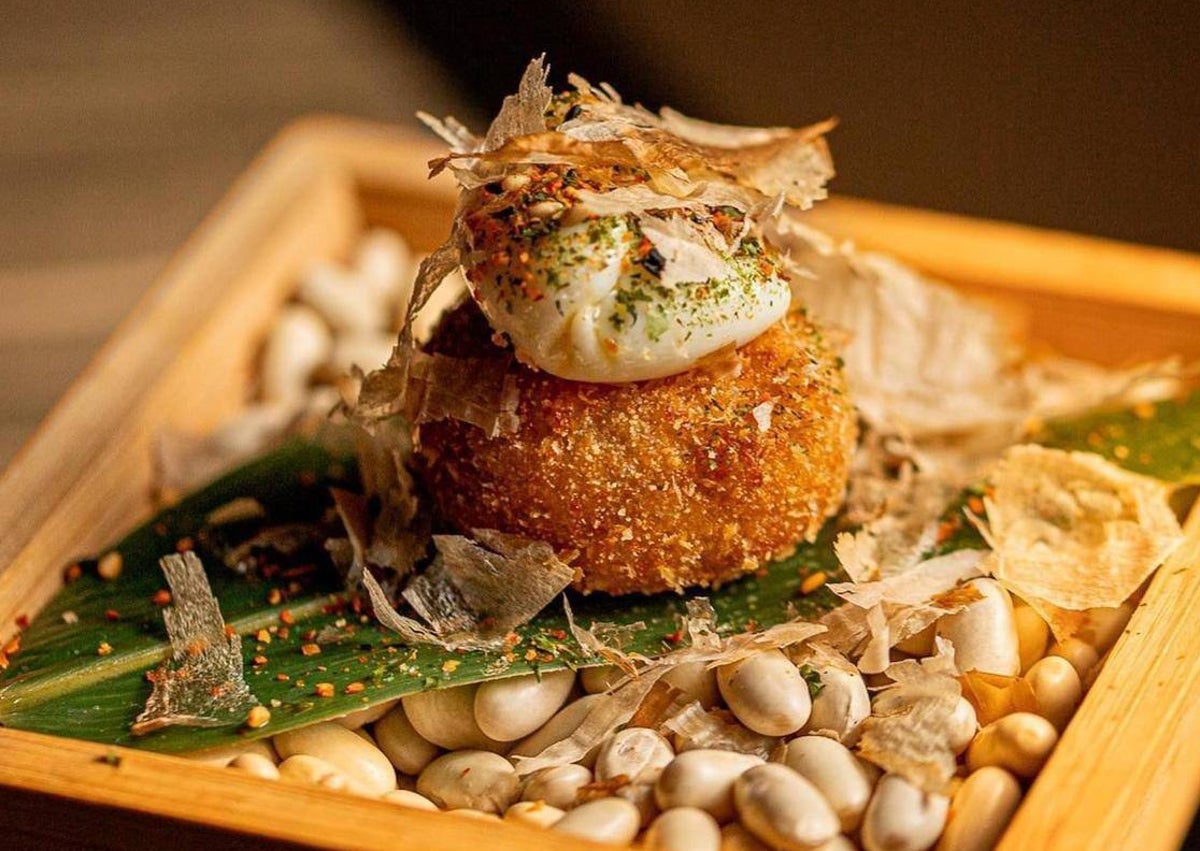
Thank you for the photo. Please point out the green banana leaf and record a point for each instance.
(59, 684)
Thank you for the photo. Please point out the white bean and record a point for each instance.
(467, 812)
(962, 726)
(783, 809)
(368, 350)
(478, 780)
(558, 785)
(641, 795)
(534, 813)
(363, 717)
(560, 727)
(1020, 743)
(303, 768)
(410, 799)
(342, 297)
(222, 756)
(446, 717)
(1032, 633)
(298, 343)
(402, 744)
(684, 829)
(256, 765)
(600, 678)
(697, 681)
(1057, 688)
(980, 811)
(841, 705)
(766, 693)
(385, 264)
(1102, 627)
(984, 634)
(639, 753)
(365, 766)
(612, 821)
(513, 707)
(1079, 653)
(836, 772)
(901, 817)
(734, 837)
(703, 779)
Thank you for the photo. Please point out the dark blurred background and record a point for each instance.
(122, 123)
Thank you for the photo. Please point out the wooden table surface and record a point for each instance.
(122, 125)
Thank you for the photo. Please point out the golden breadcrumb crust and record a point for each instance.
(683, 481)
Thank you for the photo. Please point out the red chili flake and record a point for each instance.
(263, 636)
(975, 504)
(160, 529)
(310, 635)
(355, 688)
(22, 621)
(558, 634)
(307, 478)
(162, 597)
(310, 649)
(323, 690)
(14, 644)
(230, 632)
(259, 661)
(283, 633)
(674, 637)
(184, 544)
(283, 678)
(112, 615)
(274, 598)
(945, 530)
(71, 573)
(287, 617)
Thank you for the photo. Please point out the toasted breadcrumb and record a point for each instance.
(656, 485)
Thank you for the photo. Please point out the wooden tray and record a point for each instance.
(1126, 774)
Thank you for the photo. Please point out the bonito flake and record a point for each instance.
(203, 683)
(1073, 530)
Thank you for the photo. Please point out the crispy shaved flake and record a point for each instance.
(524, 112)
(452, 132)
(184, 461)
(606, 641)
(1074, 531)
(425, 387)
(608, 713)
(909, 731)
(994, 695)
(476, 591)
(875, 656)
(202, 684)
(687, 256)
(707, 133)
(915, 586)
(696, 728)
(701, 624)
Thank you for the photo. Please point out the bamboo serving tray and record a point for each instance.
(1126, 774)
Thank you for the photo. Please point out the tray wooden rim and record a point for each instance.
(1140, 791)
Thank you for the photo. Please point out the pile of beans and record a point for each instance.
(453, 749)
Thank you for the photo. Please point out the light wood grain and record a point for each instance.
(183, 358)
(206, 795)
(1126, 773)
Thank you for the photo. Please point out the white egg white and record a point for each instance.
(592, 313)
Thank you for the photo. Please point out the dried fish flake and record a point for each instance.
(1074, 531)
(203, 683)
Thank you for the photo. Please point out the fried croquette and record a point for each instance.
(690, 480)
